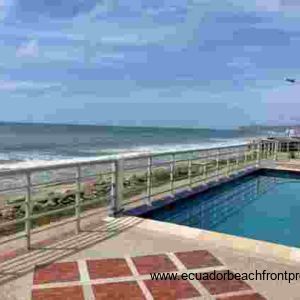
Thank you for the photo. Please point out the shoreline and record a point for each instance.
(9, 161)
(102, 153)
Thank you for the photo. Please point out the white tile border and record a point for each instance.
(87, 288)
(195, 283)
(140, 282)
(238, 293)
(83, 271)
(260, 249)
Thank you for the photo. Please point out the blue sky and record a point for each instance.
(200, 63)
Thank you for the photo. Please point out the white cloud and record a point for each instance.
(3, 9)
(13, 86)
(158, 11)
(269, 5)
(123, 39)
(54, 34)
(278, 5)
(29, 49)
(284, 94)
(240, 62)
(272, 6)
(67, 54)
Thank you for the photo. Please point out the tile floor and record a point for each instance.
(129, 278)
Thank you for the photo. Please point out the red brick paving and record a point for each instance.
(115, 268)
(243, 297)
(106, 268)
(153, 263)
(118, 291)
(61, 293)
(198, 259)
(171, 289)
(216, 287)
(57, 272)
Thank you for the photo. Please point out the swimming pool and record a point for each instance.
(263, 206)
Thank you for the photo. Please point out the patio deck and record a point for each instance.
(126, 238)
(293, 165)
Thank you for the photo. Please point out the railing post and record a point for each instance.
(205, 171)
(253, 152)
(272, 149)
(218, 163)
(77, 198)
(172, 173)
(276, 146)
(28, 211)
(149, 180)
(190, 173)
(117, 186)
(237, 159)
(228, 166)
(288, 150)
(258, 157)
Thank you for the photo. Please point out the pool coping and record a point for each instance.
(261, 249)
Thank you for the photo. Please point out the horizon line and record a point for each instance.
(241, 127)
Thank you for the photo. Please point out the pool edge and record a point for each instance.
(258, 248)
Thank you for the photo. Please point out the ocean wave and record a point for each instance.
(96, 153)
(179, 147)
(28, 156)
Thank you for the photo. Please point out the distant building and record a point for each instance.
(293, 132)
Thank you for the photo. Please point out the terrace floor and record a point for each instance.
(113, 261)
(293, 165)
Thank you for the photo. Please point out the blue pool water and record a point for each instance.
(263, 206)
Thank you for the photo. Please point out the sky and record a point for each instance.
(198, 63)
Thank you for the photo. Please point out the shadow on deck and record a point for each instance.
(40, 254)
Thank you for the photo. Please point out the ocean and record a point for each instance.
(53, 142)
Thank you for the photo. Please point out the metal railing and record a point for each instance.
(32, 196)
(288, 150)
